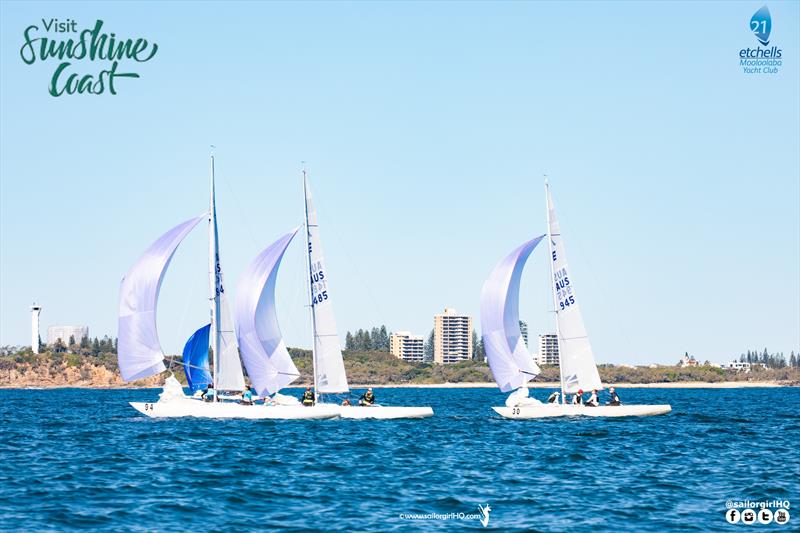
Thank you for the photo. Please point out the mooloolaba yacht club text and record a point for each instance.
(47, 40)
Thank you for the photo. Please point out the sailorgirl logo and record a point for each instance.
(49, 40)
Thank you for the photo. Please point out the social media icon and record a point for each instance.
(781, 516)
(748, 516)
(765, 516)
(732, 515)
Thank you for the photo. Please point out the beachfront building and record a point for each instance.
(548, 349)
(65, 332)
(408, 347)
(688, 361)
(452, 337)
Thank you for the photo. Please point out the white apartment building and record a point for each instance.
(452, 337)
(65, 332)
(548, 349)
(408, 347)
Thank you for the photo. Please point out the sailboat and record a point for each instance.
(264, 352)
(512, 366)
(140, 354)
(329, 371)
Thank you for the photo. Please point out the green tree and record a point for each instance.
(85, 342)
(348, 341)
(95, 347)
(429, 347)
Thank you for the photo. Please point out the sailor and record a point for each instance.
(593, 401)
(367, 398)
(247, 397)
(308, 397)
(614, 397)
(208, 394)
(345, 402)
(553, 398)
(577, 399)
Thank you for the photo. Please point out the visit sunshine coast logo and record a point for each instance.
(75, 51)
(763, 59)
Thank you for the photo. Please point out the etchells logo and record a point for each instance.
(75, 51)
(758, 60)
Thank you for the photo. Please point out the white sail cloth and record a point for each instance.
(329, 365)
(578, 367)
(229, 376)
(139, 350)
(263, 351)
(512, 366)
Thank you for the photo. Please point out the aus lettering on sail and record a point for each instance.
(319, 285)
(563, 289)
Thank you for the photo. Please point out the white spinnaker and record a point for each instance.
(139, 350)
(512, 366)
(578, 368)
(329, 365)
(268, 363)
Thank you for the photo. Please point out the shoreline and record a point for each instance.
(477, 385)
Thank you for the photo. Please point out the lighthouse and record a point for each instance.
(35, 310)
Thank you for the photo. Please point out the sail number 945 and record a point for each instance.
(566, 302)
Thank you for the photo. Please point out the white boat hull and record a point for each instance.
(383, 412)
(177, 408)
(551, 410)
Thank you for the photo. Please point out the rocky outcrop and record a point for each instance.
(60, 374)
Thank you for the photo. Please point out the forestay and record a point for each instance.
(329, 366)
(263, 351)
(512, 366)
(578, 368)
(139, 350)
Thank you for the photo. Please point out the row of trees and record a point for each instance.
(376, 339)
(770, 360)
(86, 346)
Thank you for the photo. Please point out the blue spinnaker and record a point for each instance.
(195, 359)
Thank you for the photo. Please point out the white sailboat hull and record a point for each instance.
(382, 412)
(551, 410)
(178, 408)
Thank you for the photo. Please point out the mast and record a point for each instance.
(552, 289)
(213, 275)
(312, 320)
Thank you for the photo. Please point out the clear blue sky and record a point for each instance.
(427, 128)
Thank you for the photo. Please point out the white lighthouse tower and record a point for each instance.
(35, 310)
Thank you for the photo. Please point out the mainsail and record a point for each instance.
(263, 351)
(195, 360)
(512, 366)
(578, 368)
(139, 351)
(329, 370)
(227, 366)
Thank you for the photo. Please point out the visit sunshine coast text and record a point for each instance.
(91, 44)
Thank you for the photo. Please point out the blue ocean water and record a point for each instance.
(84, 459)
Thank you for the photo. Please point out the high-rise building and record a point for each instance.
(35, 310)
(65, 332)
(452, 337)
(548, 349)
(523, 328)
(407, 347)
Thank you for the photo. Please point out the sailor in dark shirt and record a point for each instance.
(614, 397)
